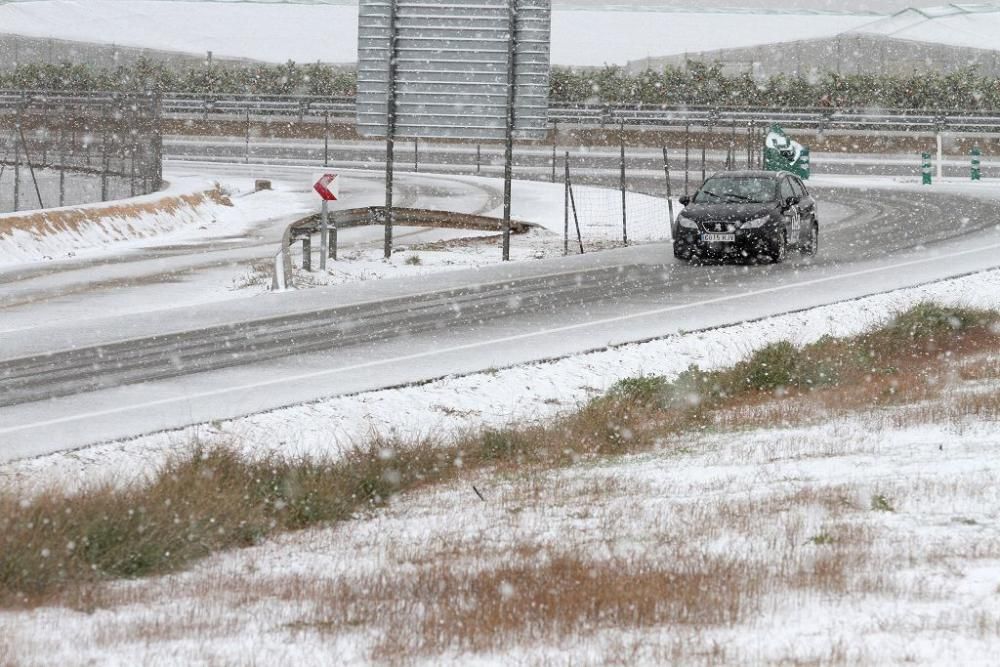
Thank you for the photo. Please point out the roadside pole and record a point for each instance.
(977, 172)
(326, 139)
(17, 160)
(509, 138)
(566, 209)
(328, 188)
(324, 235)
(390, 132)
(670, 197)
(621, 136)
(555, 130)
(940, 156)
(687, 155)
(572, 204)
(925, 169)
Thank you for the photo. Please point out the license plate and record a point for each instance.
(718, 238)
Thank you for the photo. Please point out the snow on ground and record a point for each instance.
(311, 32)
(185, 208)
(455, 405)
(869, 538)
(536, 203)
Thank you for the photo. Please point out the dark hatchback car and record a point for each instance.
(747, 215)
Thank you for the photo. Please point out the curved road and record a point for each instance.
(69, 386)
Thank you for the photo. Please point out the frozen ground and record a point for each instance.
(865, 538)
(513, 395)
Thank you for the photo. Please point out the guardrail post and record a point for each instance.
(925, 169)
(307, 253)
(479, 157)
(977, 173)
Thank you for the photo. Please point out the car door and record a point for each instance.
(806, 206)
(790, 212)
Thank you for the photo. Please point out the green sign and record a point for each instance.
(782, 153)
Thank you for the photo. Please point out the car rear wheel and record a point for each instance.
(811, 245)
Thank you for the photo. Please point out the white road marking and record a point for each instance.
(488, 343)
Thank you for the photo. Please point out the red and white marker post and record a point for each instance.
(327, 187)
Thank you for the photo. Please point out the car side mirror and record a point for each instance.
(791, 201)
(685, 200)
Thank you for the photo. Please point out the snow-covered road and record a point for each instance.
(195, 364)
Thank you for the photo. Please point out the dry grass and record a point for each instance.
(60, 545)
(42, 223)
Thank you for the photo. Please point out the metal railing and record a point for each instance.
(305, 108)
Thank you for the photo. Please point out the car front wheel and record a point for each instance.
(780, 250)
(811, 245)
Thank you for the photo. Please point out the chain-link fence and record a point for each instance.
(60, 150)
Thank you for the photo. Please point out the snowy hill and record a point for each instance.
(309, 32)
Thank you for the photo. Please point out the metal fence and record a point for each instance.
(58, 150)
(340, 109)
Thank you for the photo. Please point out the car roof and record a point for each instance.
(751, 173)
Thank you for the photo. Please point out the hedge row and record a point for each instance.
(698, 83)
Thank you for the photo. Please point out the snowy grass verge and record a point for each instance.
(64, 232)
(212, 499)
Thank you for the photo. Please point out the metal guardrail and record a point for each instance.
(305, 228)
(304, 108)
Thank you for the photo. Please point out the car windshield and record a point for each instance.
(749, 189)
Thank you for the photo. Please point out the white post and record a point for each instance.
(324, 236)
(278, 283)
(940, 156)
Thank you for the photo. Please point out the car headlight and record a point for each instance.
(756, 223)
(687, 223)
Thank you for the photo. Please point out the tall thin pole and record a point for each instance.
(326, 139)
(62, 167)
(509, 144)
(17, 160)
(566, 209)
(704, 138)
(390, 131)
(246, 154)
(572, 203)
(670, 196)
(621, 137)
(31, 168)
(555, 129)
(687, 156)
(324, 235)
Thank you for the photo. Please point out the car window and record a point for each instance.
(786, 190)
(736, 189)
(798, 188)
